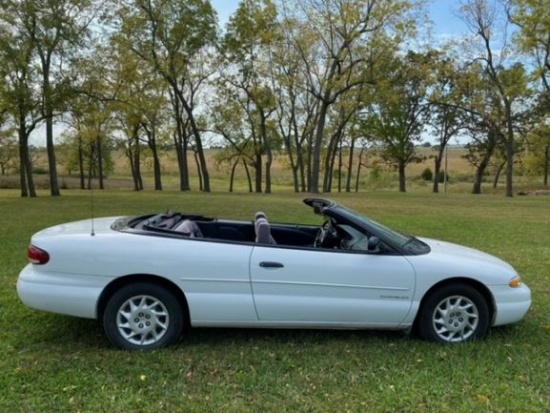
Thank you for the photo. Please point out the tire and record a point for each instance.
(454, 314)
(143, 316)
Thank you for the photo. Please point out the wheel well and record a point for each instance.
(481, 288)
(115, 285)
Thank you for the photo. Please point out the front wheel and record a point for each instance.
(454, 314)
(143, 316)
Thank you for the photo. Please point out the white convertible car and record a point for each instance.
(149, 278)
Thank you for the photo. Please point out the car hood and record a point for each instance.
(457, 260)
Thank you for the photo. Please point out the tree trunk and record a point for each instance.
(25, 170)
(90, 166)
(317, 146)
(509, 171)
(480, 172)
(248, 177)
(152, 143)
(350, 165)
(295, 182)
(181, 156)
(546, 165)
(130, 155)
(359, 164)
(81, 163)
(23, 165)
(199, 170)
(477, 183)
(136, 156)
(180, 143)
(301, 169)
(510, 150)
(232, 174)
(329, 162)
(340, 167)
(402, 178)
(269, 154)
(205, 176)
(48, 113)
(198, 142)
(156, 169)
(54, 184)
(497, 174)
(437, 169)
(268, 173)
(100, 162)
(258, 169)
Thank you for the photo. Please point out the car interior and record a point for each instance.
(258, 230)
(330, 235)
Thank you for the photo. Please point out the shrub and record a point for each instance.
(38, 170)
(427, 174)
(375, 173)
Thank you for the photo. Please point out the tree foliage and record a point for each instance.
(313, 82)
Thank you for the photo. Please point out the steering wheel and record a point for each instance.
(325, 230)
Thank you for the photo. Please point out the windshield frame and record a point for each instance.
(403, 243)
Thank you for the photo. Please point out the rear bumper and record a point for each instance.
(62, 294)
(511, 304)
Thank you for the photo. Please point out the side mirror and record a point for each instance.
(374, 242)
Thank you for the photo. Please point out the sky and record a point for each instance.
(442, 13)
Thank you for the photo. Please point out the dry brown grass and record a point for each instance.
(376, 175)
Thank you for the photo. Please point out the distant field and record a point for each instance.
(374, 176)
(52, 363)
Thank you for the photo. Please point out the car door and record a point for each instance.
(330, 287)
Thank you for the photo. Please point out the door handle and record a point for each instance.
(271, 264)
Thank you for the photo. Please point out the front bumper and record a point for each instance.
(511, 304)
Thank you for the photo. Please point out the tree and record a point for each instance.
(20, 98)
(297, 109)
(140, 104)
(8, 143)
(534, 35)
(53, 29)
(228, 120)
(537, 159)
(400, 110)
(8, 150)
(344, 41)
(507, 78)
(173, 37)
(247, 56)
(446, 101)
(481, 115)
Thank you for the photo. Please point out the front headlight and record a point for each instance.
(515, 282)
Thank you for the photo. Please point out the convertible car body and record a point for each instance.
(148, 278)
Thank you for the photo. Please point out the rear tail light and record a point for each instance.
(37, 256)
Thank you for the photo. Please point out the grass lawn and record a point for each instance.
(52, 363)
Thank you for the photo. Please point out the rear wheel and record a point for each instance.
(454, 314)
(143, 316)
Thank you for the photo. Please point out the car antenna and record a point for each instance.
(92, 207)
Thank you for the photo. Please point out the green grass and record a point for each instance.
(52, 363)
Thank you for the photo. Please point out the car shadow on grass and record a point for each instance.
(226, 336)
(64, 331)
(78, 333)
(52, 331)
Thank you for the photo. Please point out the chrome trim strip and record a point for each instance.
(365, 287)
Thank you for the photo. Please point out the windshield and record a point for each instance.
(407, 242)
